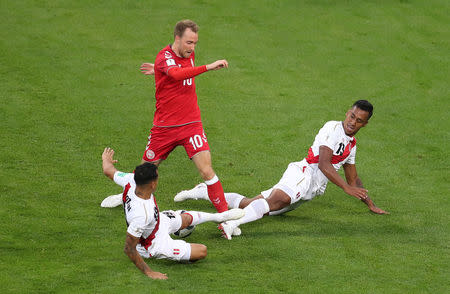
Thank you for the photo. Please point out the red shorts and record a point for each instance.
(161, 141)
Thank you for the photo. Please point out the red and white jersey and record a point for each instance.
(142, 215)
(176, 101)
(331, 135)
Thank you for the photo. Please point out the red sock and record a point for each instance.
(215, 194)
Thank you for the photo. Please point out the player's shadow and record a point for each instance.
(288, 225)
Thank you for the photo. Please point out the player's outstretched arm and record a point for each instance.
(108, 163)
(325, 155)
(131, 252)
(353, 180)
(148, 68)
(217, 65)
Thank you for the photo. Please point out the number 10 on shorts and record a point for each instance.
(196, 141)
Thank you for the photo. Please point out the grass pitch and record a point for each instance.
(70, 86)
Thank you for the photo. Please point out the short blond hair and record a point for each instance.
(182, 25)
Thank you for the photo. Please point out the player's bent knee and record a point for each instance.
(278, 200)
(186, 220)
(198, 251)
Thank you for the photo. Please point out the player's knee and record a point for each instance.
(198, 251)
(203, 251)
(186, 220)
(278, 200)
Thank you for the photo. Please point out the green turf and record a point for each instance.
(70, 86)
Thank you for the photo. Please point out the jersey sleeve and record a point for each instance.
(121, 178)
(327, 135)
(179, 73)
(164, 62)
(136, 226)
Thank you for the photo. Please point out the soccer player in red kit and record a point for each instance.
(177, 119)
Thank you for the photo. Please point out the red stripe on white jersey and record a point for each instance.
(311, 158)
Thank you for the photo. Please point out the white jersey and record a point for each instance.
(331, 135)
(142, 215)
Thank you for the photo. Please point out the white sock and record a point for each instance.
(212, 181)
(254, 211)
(233, 199)
(199, 217)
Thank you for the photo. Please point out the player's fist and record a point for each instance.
(217, 65)
(148, 69)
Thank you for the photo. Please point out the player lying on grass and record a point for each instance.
(147, 229)
(333, 147)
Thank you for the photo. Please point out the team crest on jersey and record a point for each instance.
(167, 54)
(150, 154)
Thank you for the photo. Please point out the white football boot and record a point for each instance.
(112, 201)
(198, 192)
(227, 229)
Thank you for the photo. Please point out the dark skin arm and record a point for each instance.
(353, 180)
(353, 186)
(136, 258)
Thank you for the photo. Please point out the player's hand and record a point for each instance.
(148, 69)
(156, 275)
(108, 155)
(377, 210)
(357, 192)
(217, 65)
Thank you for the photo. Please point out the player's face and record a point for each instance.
(355, 119)
(186, 43)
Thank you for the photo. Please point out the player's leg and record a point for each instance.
(202, 161)
(234, 200)
(193, 218)
(198, 251)
(293, 185)
(194, 141)
(256, 209)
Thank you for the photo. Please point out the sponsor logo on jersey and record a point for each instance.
(167, 54)
(150, 154)
(121, 174)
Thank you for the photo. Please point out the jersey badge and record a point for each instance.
(170, 62)
(150, 154)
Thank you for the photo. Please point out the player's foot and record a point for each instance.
(231, 214)
(198, 192)
(112, 201)
(227, 230)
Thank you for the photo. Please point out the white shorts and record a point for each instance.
(163, 246)
(296, 182)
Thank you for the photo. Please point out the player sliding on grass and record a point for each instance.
(177, 119)
(333, 147)
(148, 229)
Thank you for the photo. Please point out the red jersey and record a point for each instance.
(176, 100)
